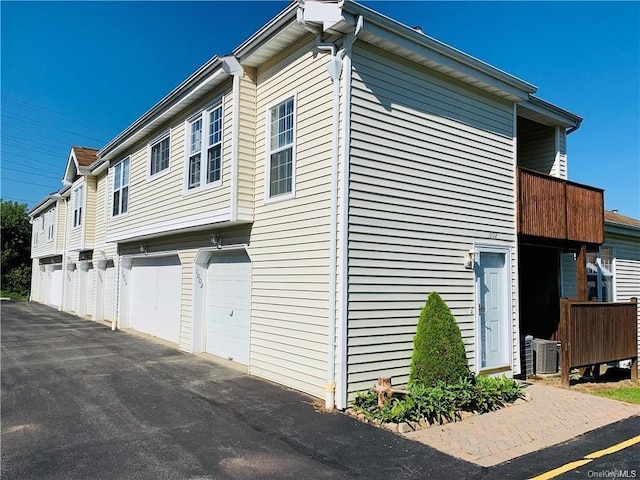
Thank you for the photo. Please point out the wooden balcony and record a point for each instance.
(557, 209)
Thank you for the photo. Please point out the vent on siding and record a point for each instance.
(546, 355)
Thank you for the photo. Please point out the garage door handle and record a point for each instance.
(231, 313)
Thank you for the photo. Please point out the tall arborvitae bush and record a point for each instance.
(438, 349)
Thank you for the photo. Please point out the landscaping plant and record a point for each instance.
(438, 349)
(441, 402)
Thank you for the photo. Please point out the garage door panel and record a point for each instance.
(155, 295)
(229, 307)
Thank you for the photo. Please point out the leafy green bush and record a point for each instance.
(438, 349)
(443, 401)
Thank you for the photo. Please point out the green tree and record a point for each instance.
(438, 349)
(15, 232)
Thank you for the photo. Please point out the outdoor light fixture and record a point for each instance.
(468, 259)
(216, 240)
(143, 249)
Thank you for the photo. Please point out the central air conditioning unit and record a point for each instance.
(546, 355)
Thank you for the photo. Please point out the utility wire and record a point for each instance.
(18, 199)
(59, 165)
(40, 107)
(37, 174)
(30, 132)
(42, 124)
(27, 183)
(28, 141)
(26, 166)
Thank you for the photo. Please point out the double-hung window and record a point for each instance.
(78, 203)
(120, 188)
(205, 144)
(51, 218)
(280, 161)
(159, 156)
(34, 232)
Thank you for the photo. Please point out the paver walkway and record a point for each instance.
(552, 416)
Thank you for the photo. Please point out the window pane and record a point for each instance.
(116, 176)
(116, 203)
(125, 200)
(215, 126)
(125, 172)
(194, 171)
(213, 164)
(196, 136)
(281, 172)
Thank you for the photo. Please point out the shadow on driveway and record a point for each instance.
(80, 401)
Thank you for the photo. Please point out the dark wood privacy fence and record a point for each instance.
(592, 333)
(551, 207)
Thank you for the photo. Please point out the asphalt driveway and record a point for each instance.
(82, 402)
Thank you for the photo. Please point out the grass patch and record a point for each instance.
(13, 296)
(624, 394)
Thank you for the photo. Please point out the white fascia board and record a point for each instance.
(432, 49)
(72, 169)
(558, 115)
(266, 32)
(162, 110)
(198, 221)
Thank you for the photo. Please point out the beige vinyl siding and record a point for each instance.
(290, 239)
(89, 223)
(247, 141)
(163, 199)
(102, 209)
(75, 234)
(61, 225)
(537, 147)
(431, 173)
(45, 247)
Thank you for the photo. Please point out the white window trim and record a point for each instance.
(112, 172)
(82, 207)
(599, 273)
(150, 145)
(204, 147)
(267, 161)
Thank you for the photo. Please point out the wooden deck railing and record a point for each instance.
(550, 207)
(593, 333)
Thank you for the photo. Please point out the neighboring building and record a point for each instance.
(290, 206)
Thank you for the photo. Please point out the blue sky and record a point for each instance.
(78, 73)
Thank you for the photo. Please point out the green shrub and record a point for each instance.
(438, 349)
(441, 402)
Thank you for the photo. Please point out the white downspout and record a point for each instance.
(334, 67)
(231, 66)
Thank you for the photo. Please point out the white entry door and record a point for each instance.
(494, 309)
(228, 309)
(85, 302)
(155, 295)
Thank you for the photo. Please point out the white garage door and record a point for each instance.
(229, 306)
(86, 290)
(155, 295)
(54, 285)
(105, 292)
